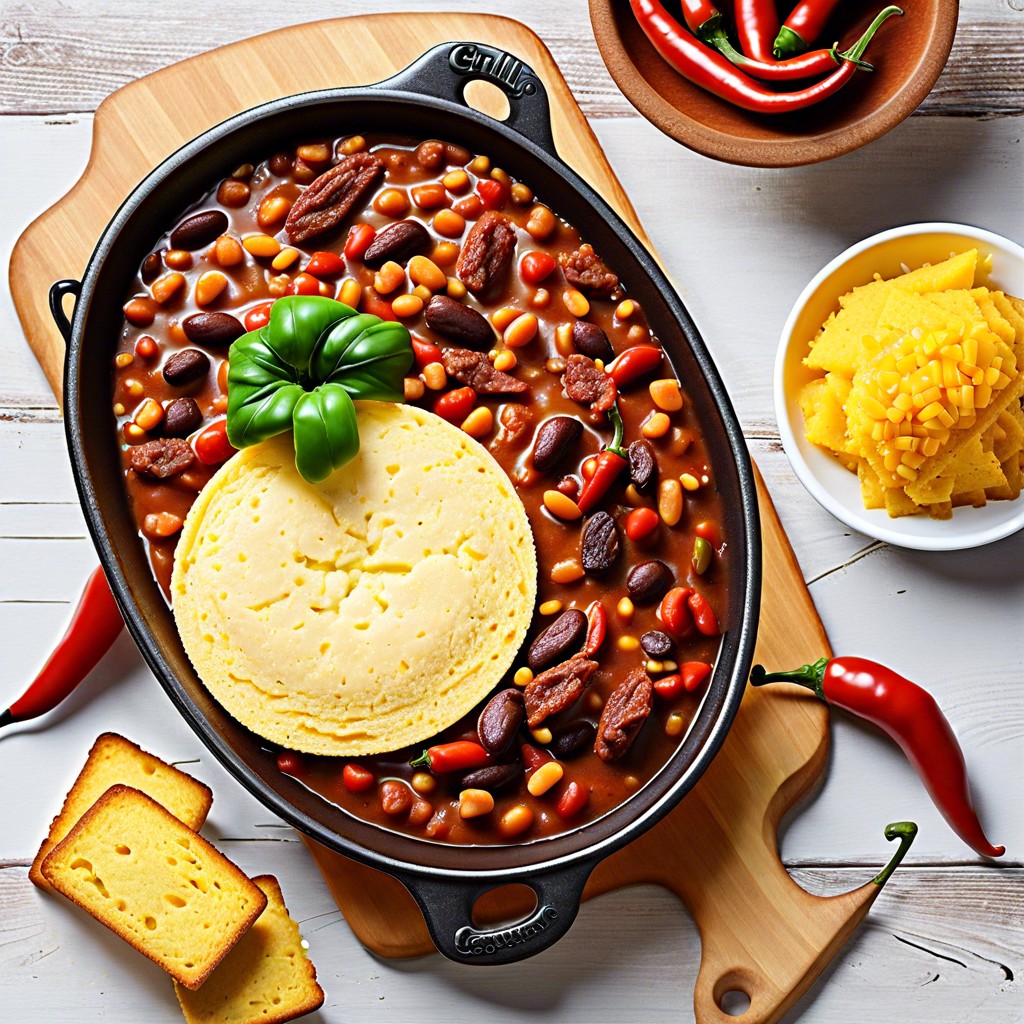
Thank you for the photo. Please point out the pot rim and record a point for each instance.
(633, 823)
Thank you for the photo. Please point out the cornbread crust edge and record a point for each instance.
(280, 587)
(53, 865)
(211, 1004)
(110, 746)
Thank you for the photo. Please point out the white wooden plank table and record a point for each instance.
(944, 943)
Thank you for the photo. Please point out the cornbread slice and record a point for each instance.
(113, 760)
(369, 611)
(266, 979)
(150, 879)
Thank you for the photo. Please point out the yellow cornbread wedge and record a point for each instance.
(266, 979)
(364, 613)
(154, 882)
(113, 760)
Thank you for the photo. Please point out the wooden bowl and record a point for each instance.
(908, 53)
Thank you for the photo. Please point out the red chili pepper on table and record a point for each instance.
(757, 24)
(705, 21)
(611, 461)
(453, 757)
(713, 72)
(803, 26)
(909, 715)
(94, 626)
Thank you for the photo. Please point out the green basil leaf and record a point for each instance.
(258, 413)
(297, 322)
(325, 432)
(367, 356)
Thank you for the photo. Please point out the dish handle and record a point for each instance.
(58, 292)
(445, 70)
(447, 907)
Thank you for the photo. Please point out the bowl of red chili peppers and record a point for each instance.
(769, 84)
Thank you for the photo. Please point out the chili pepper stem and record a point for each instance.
(616, 446)
(6, 718)
(855, 52)
(812, 676)
(423, 761)
(788, 44)
(905, 832)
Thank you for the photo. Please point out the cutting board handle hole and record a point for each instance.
(735, 1002)
(488, 99)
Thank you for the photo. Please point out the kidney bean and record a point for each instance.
(703, 614)
(534, 757)
(572, 801)
(212, 329)
(152, 265)
(399, 241)
(395, 797)
(500, 720)
(181, 417)
(563, 637)
(198, 230)
(648, 581)
(589, 340)
(656, 644)
(494, 777)
(555, 439)
(572, 739)
(600, 548)
(458, 322)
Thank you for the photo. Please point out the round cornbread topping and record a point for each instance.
(364, 613)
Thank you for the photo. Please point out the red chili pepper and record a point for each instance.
(212, 445)
(360, 238)
(572, 801)
(357, 779)
(493, 194)
(453, 757)
(705, 21)
(757, 24)
(633, 363)
(425, 353)
(703, 614)
(713, 72)
(674, 613)
(609, 463)
(325, 264)
(907, 714)
(669, 687)
(694, 674)
(534, 267)
(803, 26)
(94, 626)
(455, 406)
(641, 522)
(597, 629)
(258, 316)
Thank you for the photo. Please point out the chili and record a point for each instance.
(703, 614)
(910, 716)
(94, 626)
(708, 25)
(803, 26)
(597, 629)
(757, 24)
(458, 756)
(610, 463)
(634, 363)
(711, 71)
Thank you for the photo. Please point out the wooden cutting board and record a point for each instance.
(760, 932)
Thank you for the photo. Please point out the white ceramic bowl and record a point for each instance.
(835, 488)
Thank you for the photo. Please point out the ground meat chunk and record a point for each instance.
(624, 713)
(557, 689)
(586, 270)
(475, 370)
(162, 458)
(586, 383)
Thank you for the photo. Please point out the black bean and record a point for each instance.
(572, 739)
(151, 267)
(643, 464)
(186, 367)
(500, 720)
(181, 417)
(493, 776)
(563, 637)
(656, 644)
(555, 440)
(600, 544)
(649, 581)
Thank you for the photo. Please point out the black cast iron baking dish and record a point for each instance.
(423, 101)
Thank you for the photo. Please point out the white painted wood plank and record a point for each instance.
(903, 956)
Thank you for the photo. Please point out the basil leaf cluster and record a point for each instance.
(302, 371)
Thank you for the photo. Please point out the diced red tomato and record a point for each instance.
(572, 801)
(534, 267)
(212, 445)
(325, 265)
(425, 352)
(258, 316)
(694, 674)
(493, 194)
(360, 238)
(455, 406)
(357, 779)
(674, 613)
(640, 523)
(669, 687)
(373, 303)
(307, 284)
(291, 763)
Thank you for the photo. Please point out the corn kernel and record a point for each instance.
(576, 302)
(474, 803)
(434, 376)
(149, 414)
(423, 782)
(123, 359)
(561, 506)
(628, 643)
(351, 292)
(550, 608)
(505, 361)
(285, 258)
(479, 423)
(674, 724)
(624, 609)
(567, 571)
(541, 735)
(261, 246)
(689, 482)
(503, 317)
(666, 395)
(523, 676)
(652, 667)
(625, 309)
(656, 425)
(545, 777)
(516, 820)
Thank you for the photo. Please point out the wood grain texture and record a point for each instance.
(72, 62)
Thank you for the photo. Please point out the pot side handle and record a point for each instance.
(445, 70)
(58, 292)
(447, 907)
